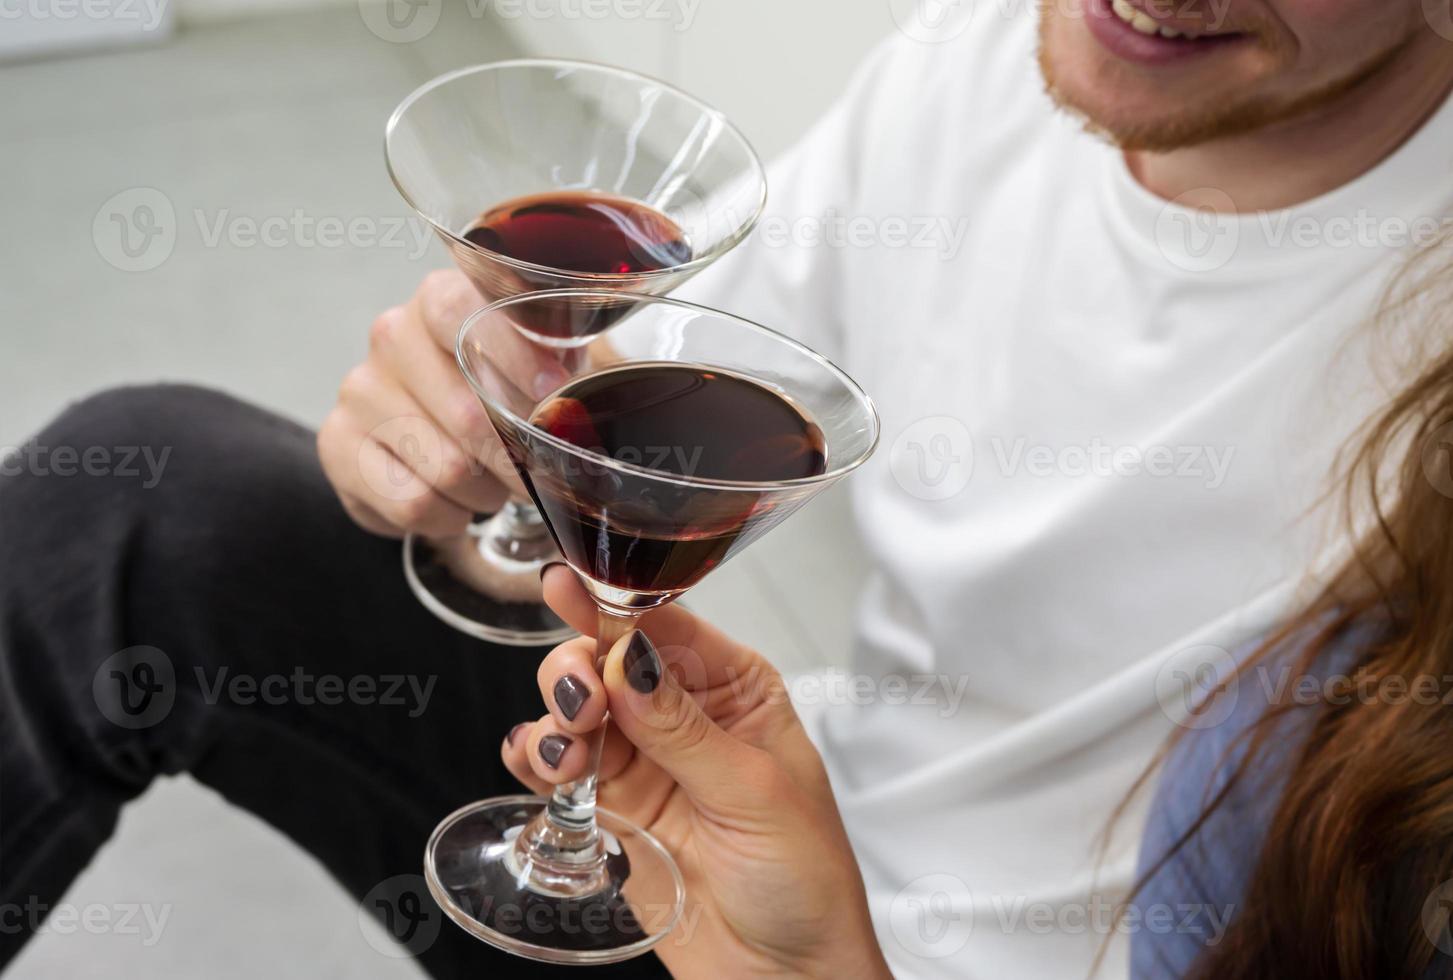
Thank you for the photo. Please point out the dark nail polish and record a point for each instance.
(642, 665)
(570, 694)
(545, 568)
(552, 747)
(510, 738)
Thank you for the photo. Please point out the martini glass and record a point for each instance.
(526, 129)
(559, 880)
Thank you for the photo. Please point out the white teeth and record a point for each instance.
(1143, 22)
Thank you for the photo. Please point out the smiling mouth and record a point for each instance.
(1143, 23)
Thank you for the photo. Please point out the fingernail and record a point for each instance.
(642, 665)
(545, 568)
(552, 747)
(510, 738)
(570, 694)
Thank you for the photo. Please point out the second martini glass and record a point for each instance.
(682, 436)
(517, 165)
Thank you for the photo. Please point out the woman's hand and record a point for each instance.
(705, 751)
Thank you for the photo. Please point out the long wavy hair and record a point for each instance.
(1362, 834)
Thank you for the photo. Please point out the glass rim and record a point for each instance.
(589, 455)
(691, 265)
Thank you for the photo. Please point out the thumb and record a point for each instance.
(664, 722)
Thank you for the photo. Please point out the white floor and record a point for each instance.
(257, 119)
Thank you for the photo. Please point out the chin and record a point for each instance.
(1158, 110)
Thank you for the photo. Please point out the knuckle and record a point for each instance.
(441, 294)
(356, 385)
(454, 470)
(687, 727)
(386, 327)
(415, 512)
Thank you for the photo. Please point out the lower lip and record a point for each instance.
(1127, 43)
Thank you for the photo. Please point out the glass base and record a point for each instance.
(450, 578)
(485, 876)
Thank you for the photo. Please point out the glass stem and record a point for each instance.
(572, 805)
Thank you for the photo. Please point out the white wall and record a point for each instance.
(772, 66)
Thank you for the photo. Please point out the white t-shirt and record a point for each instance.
(1103, 416)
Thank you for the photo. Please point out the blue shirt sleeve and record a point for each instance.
(1188, 902)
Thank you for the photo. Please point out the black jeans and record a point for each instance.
(214, 611)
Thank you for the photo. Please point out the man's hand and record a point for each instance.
(408, 446)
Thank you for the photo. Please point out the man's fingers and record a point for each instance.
(387, 414)
(430, 375)
(373, 480)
